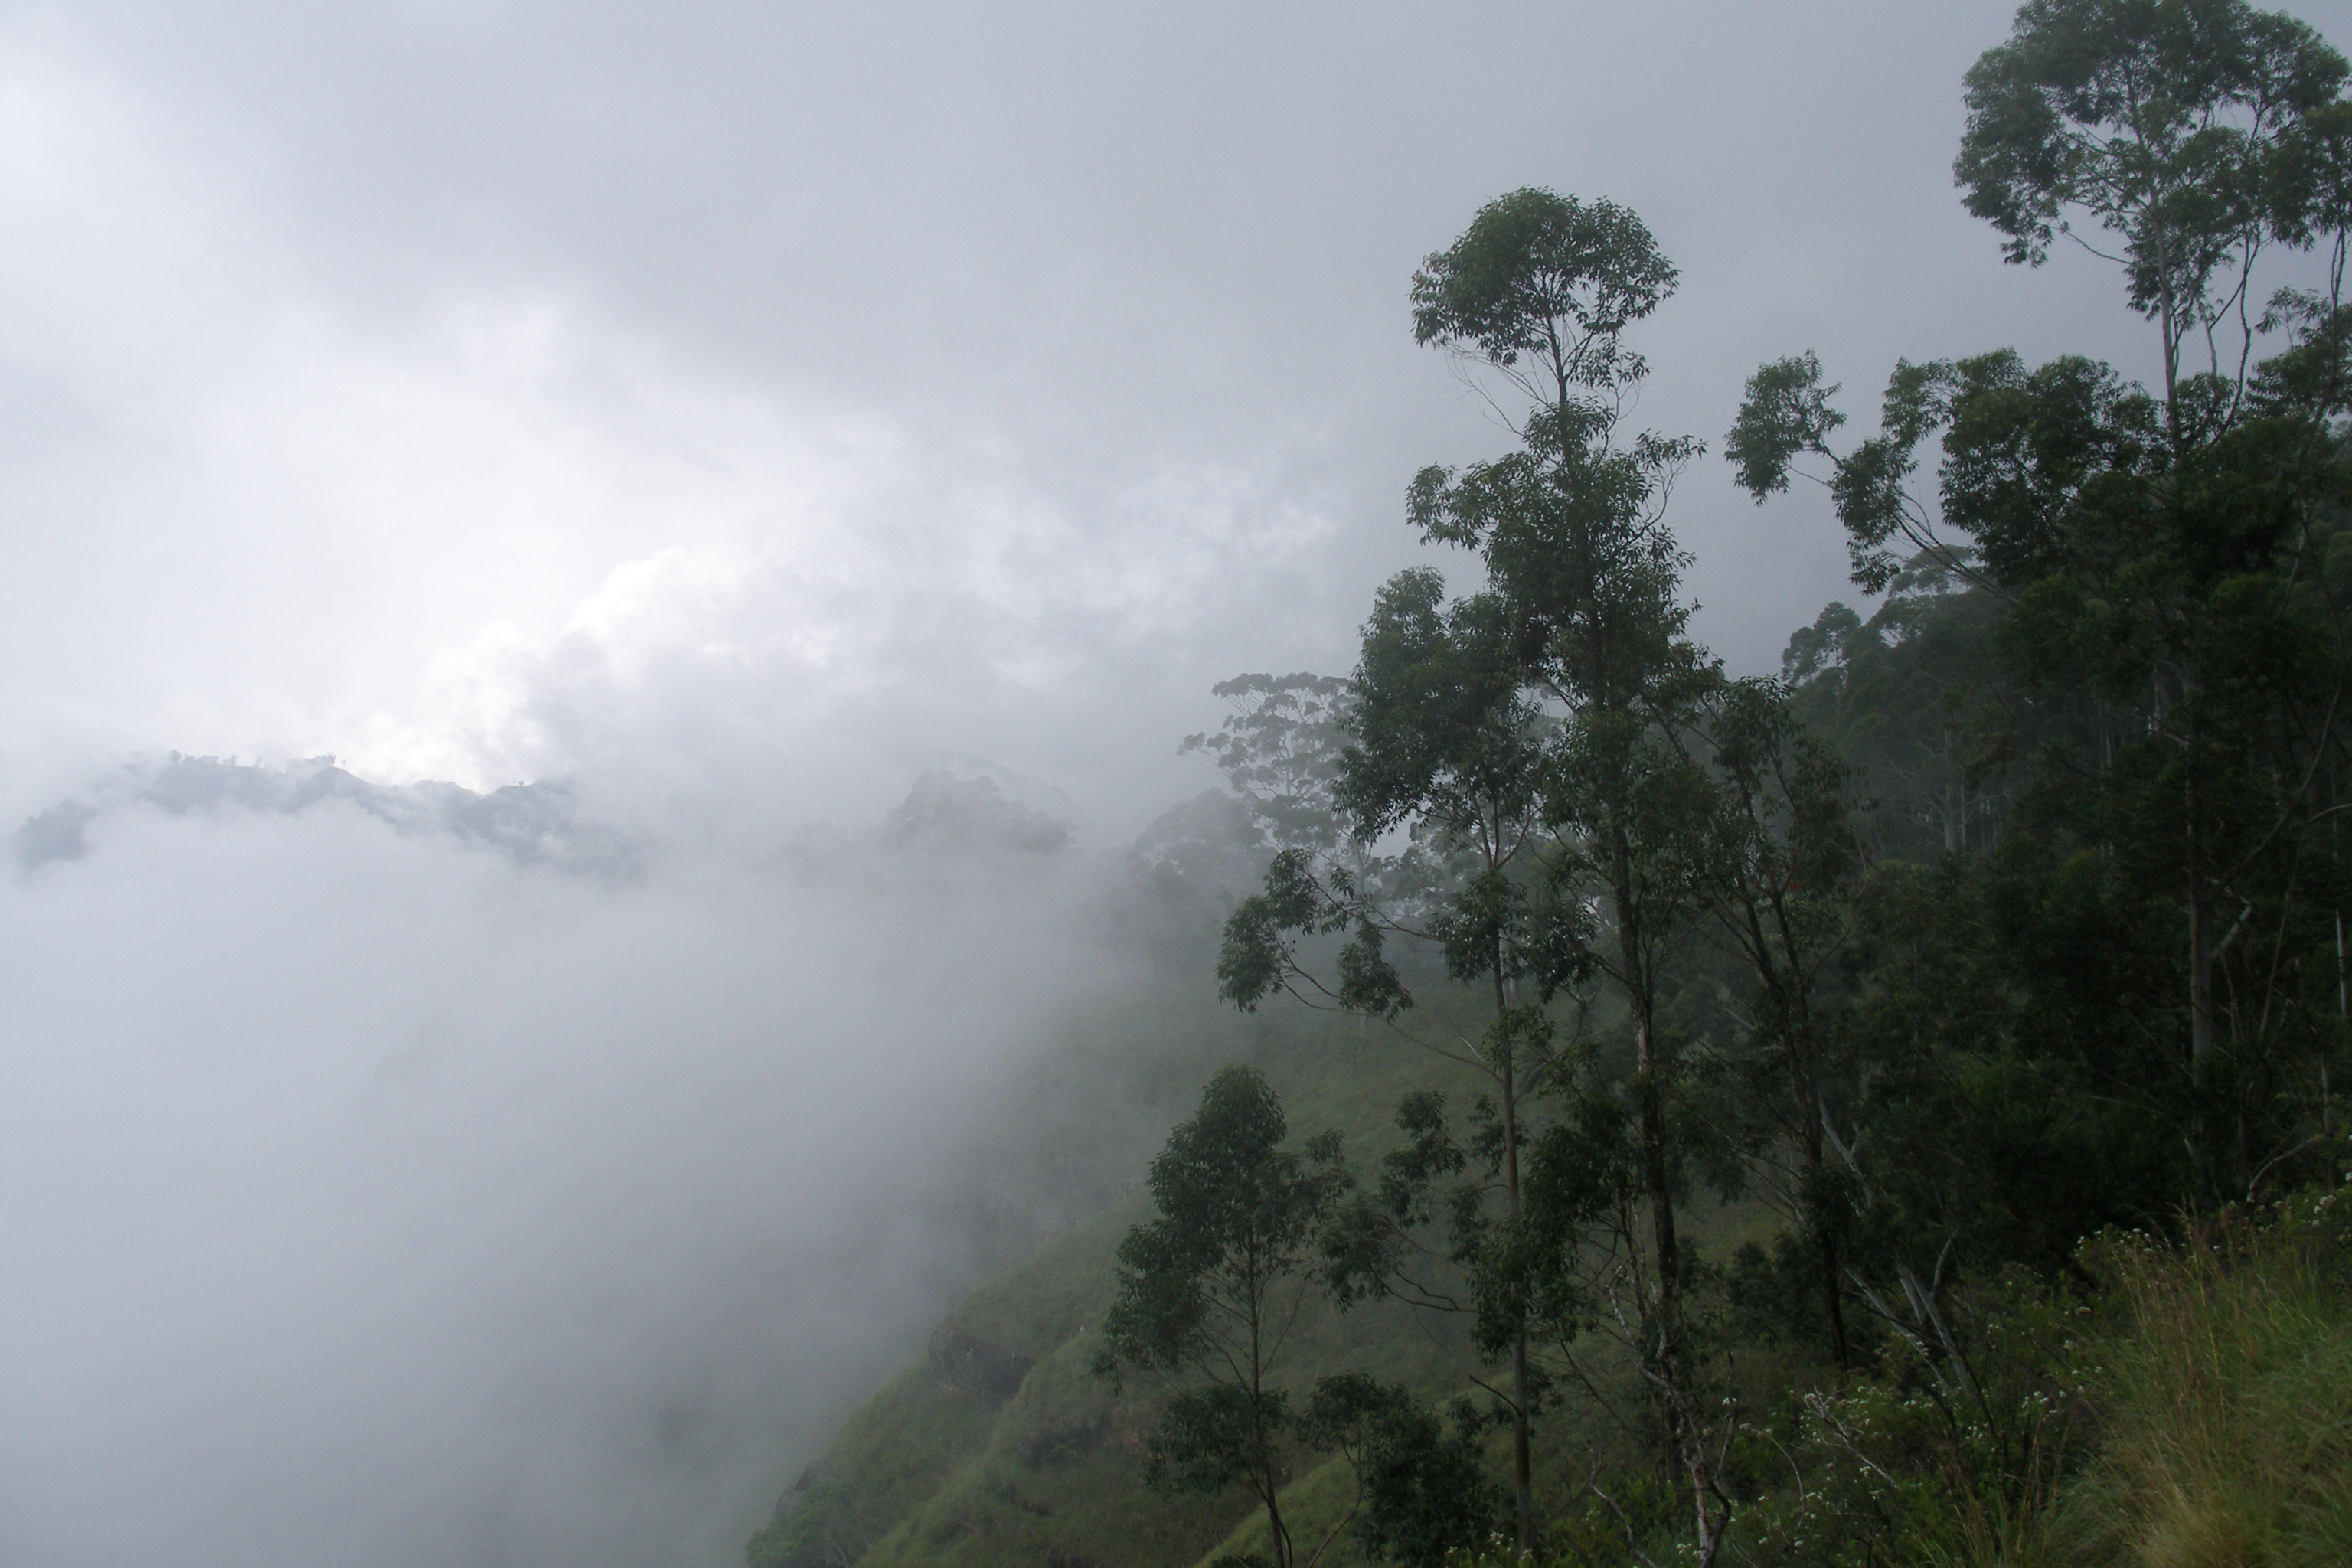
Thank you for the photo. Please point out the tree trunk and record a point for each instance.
(1269, 1481)
(1522, 1459)
(1796, 1022)
(1825, 1246)
(1687, 1443)
(2201, 1036)
(1274, 1520)
(1689, 1451)
(1656, 1179)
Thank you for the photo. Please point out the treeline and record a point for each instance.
(2005, 924)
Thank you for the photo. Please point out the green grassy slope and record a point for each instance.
(1000, 1446)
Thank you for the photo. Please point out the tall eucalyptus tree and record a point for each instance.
(1209, 1291)
(1538, 728)
(1449, 745)
(1571, 527)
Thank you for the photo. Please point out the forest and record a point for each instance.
(1881, 1113)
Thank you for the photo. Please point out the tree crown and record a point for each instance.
(1546, 277)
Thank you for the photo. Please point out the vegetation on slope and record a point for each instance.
(1003, 1446)
(1851, 1111)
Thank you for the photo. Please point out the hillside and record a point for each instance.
(1000, 1446)
(1995, 948)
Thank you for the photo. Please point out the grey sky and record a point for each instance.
(690, 393)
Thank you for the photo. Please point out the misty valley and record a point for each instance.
(846, 1080)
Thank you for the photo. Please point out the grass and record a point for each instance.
(2194, 1411)
(1043, 1463)
(2225, 1400)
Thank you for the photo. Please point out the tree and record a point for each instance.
(1447, 746)
(2163, 609)
(1422, 1490)
(2157, 557)
(1534, 738)
(1784, 866)
(2196, 131)
(1587, 577)
(2133, 622)
(1208, 1292)
(2181, 128)
(1279, 751)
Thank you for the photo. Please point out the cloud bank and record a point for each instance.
(375, 1199)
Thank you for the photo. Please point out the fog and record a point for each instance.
(369, 1198)
(711, 420)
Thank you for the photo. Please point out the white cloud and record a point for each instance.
(371, 1201)
(494, 535)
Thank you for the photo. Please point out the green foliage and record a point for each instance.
(1054, 1470)
(2188, 1409)
(1213, 1437)
(1442, 728)
(1212, 1289)
(2009, 914)
(1522, 736)
(1549, 279)
(2223, 1394)
(1279, 751)
(2139, 689)
(1784, 412)
(1425, 1490)
(1239, 1216)
(2180, 127)
(1953, 1452)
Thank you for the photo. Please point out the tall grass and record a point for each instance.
(2196, 1412)
(2225, 1399)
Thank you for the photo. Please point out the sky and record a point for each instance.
(733, 410)
(755, 400)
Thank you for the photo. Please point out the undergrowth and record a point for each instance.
(2181, 1404)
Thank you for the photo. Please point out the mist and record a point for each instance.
(371, 1198)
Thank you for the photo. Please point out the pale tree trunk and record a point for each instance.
(1522, 1459)
(1269, 1481)
(1687, 1443)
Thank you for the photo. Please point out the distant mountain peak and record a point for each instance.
(535, 824)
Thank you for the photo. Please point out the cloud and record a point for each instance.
(487, 391)
(505, 535)
(896, 623)
(376, 1201)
